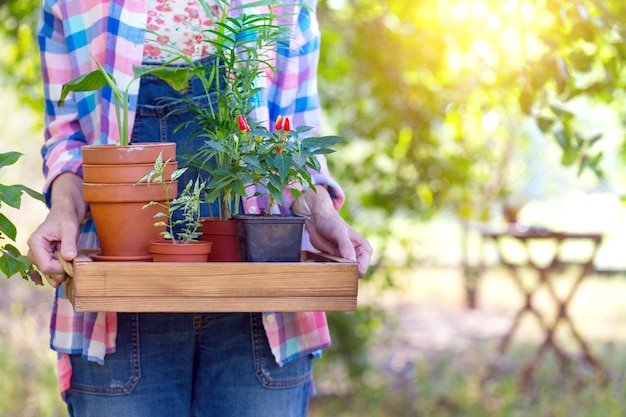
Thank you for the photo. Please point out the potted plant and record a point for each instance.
(12, 262)
(123, 228)
(181, 234)
(279, 162)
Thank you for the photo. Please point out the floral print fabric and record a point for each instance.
(176, 25)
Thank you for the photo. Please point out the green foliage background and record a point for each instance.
(414, 85)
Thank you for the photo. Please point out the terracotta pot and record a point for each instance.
(124, 227)
(139, 153)
(122, 173)
(275, 238)
(223, 234)
(166, 251)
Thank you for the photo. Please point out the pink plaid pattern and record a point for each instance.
(70, 32)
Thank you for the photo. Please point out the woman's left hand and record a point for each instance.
(330, 233)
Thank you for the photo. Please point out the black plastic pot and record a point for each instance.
(275, 238)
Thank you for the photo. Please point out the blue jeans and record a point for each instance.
(181, 365)
(185, 364)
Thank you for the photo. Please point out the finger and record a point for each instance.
(364, 258)
(45, 260)
(68, 248)
(67, 266)
(346, 248)
(363, 251)
(55, 280)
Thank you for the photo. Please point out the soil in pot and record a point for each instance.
(166, 251)
(275, 238)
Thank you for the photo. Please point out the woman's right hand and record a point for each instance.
(59, 231)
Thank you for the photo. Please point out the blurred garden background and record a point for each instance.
(454, 111)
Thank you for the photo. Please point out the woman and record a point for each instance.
(169, 364)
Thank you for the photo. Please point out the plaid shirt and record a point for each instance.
(70, 32)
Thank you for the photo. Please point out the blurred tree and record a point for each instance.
(434, 93)
(19, 57)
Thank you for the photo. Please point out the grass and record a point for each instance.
(451, 386)
(444, 377)
(28, 386)
(28, 367)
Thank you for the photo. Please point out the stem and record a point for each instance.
(124, 139)
(168, 208)
(120, 122)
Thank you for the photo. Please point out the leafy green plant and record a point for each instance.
(11, 260)
(188, 203)
(245, 43)
(284, 160)
(100, 78)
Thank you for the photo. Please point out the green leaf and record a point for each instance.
(177, 78)
(7, 227)
(176, 174)
(9, 158)
(321, 142)
(562, 139)
(299, 161)
(251, 160)
(595, 138)
(9, 265)
(13, 262)
(569, 157)
(282, 164)
(238, 188)
(32, 193)
(544, 123)
(11, 195)
(323, 151)
(91, 81)
(314, 163)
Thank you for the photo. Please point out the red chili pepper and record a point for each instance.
(243, 124)
(279, 123)
(287, 125)
(279, 150)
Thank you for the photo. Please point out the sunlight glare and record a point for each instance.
(480, 9)
(336, 4)
(527, 10)
(455, 61)
(460, 11)
(494, 22)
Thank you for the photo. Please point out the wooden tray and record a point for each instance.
(320, 283)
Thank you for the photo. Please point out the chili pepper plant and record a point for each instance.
(283, 160)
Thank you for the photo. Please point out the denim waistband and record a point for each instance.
(158, 99)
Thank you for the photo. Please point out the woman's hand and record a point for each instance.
(330, 233)
(59, 231)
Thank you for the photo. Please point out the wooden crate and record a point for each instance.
(319, 283)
